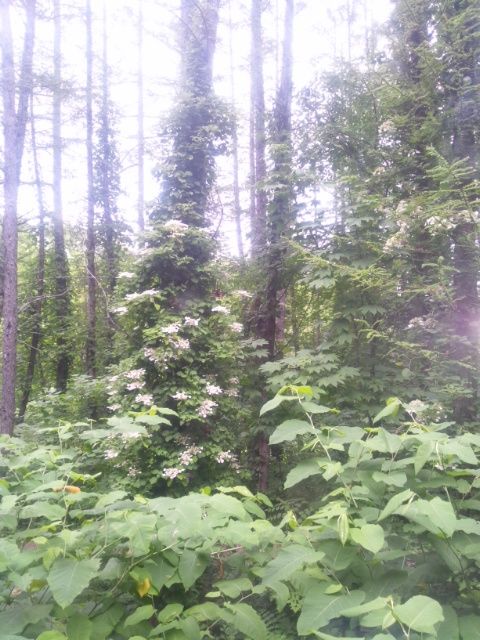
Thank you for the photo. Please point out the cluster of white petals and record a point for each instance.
(145, 399)
(220, 309)
(181, 343)
(126, 274)
(133, 386)
(110, 454)
(180, 395)
(237, 327)
(207, 408)
(191, 322)
(171, 473)
(213, 390)
(120, 311)
(136, 296)
(225, 456)
(171, 328)
(176, 228)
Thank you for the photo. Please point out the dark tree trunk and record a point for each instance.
(90, 347)
(37, 303)
(62, 284)
(280, 218)
(258, 206)
(14, 125)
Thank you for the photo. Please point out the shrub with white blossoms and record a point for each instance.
(236, 327)
(220, 309)
(207, 408)
(213, 390)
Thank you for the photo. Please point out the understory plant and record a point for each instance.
(389, 550)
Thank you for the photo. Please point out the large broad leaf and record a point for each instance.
(15, 618)
(139, 615)
(288, 561)
(393, 405)
(105, 623)
(275, 402)
(191, 567)
(318, 609)
(370, 537)
(326, 636)
(233, 588)
(289, 430)
(43, 510)
(420, 613)
(79, 627)
(247, 621)
(68, 578)
(449, 629)
(394, 503)
(302, 471)
(435, 515)
(423, 455)
(469, 627)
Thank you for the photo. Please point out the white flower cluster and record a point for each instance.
(416, 407)
(241, 293)
(151, 354)
(438, 224)
(181, 344)
(191, 322)
(114, 407)
(126, 274)
(180, 395)
(387, 127)
(170, 473)
(110, 454)
(143, 294)
(220, 309)
(135, 374)
(119, 311)
(213, 390)
(207, 408)
(236, 327)
(170, 329)
(224, 456)
(421, 322)
(187, 456)
(231, 393)
(133, 472)
(146, 399)
(176, 228)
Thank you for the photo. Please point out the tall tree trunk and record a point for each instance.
(90, 347)
(280, 218)
(236, 181)
(107, 165)
(37, 303)
(258, 208)
(62, 284)
(14, 125)
(140, 123)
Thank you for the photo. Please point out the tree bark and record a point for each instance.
(37, 303)
(279, 219)
(14, 125)
(90, 347)
(258, 208)
(62, 280)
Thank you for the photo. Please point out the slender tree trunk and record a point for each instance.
(279, 220)
(236, 182)
(37, 304)
(14, 125)
(106, 167)
(90, 347)
(62, 294)
(258, 209)
(140, 123)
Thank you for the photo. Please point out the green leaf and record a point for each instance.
(343, 528)
(16, 617)
(288, 561)
(469, 627)
(449, 628)
(435, 515)
(52, 635)
(393, 504)
(396, 478)
(318, 608)
(104, 623)
(191, 567)
(289, 430)
(393, 405)
(420, 613)
(43, 510)
(141, 614)
(362, 609)
(247, 621)
(68, 578)
(312, 407)
(170, 612)
(370, 537)
(274, 403)
(233, 588)
(422, 456)
(326, 636)
(302, 471)
(79, 627)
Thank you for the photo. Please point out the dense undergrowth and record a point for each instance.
(386, 548)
